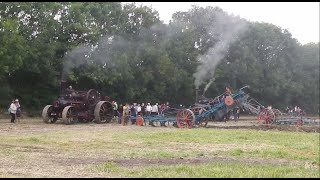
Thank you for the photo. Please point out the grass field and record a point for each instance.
(34, 149)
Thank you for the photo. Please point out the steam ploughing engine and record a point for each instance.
(78, 106)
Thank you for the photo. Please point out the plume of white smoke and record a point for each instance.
(98, 53)
(208, 85)
(75, 58)
(226, 29)
(101, 52)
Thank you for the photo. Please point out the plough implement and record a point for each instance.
(275, 116)
(198, 115)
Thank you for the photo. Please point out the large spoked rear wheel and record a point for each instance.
(46, 115)
(266, 116)
(185, 118)
(69, 115)
(103, 112)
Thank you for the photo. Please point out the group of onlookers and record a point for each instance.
(295, 110)
(127, 110)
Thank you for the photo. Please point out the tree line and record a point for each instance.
(126, 52)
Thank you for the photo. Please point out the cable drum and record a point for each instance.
(228, 100)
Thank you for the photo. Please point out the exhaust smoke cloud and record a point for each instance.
(102, 51)
(98, 53)
(226, 30)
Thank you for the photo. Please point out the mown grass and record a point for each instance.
(214, 170)
(173, 143)
(131, 142)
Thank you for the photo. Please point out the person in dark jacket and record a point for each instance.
(236, 113)
(120, 110)
(134, 114)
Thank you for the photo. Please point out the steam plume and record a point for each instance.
(226, 29)
(208, 85)
(99, 53)
(102, 51)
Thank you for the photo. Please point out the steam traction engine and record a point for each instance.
(78, 106)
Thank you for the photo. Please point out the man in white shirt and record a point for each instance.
(13, 111)
(148, 109)
(155, 110)
(115, 109)
(138, 109)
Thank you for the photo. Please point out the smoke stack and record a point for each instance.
(197, 95)
(63, 86)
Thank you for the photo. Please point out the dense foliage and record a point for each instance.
(126, 52)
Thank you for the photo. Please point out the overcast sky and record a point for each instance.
(300, 18)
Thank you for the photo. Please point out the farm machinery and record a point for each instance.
(200, 113)
(268, 115)
(219, 108)
(78, 106)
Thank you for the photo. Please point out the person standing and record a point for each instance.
(133, 113)
(115, 109)
(234, 114)
(162, 108)
(125, 114)
(287, 109)
(120, 113)
(139, 110)
(155, 110)
(148, 109)
(18, 112)
(13, 111)
(238, 113)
